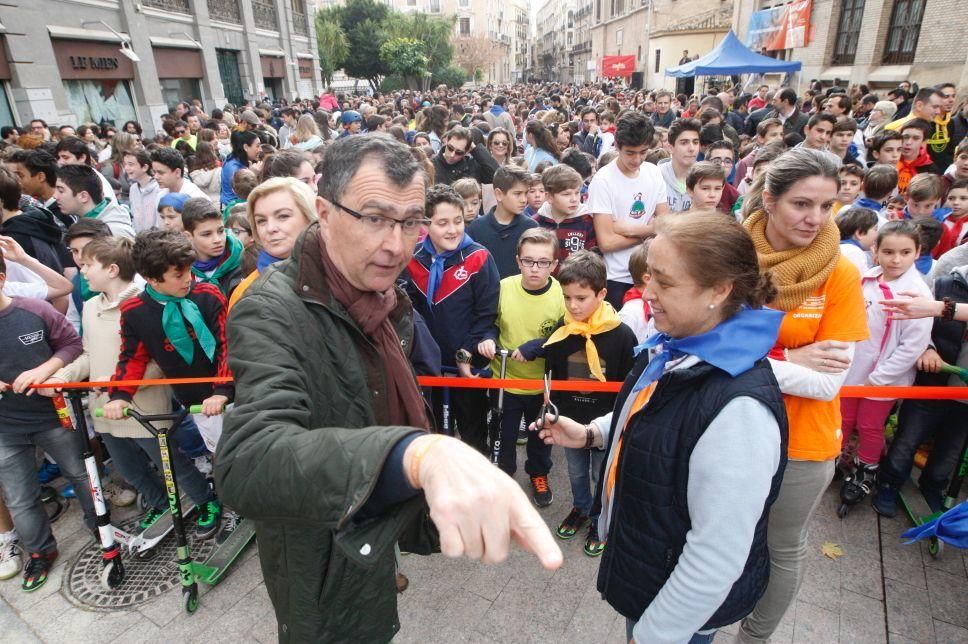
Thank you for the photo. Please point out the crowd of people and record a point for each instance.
(734, 258)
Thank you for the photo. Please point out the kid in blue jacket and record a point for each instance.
(454, 284)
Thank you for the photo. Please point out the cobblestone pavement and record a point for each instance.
(879, 591)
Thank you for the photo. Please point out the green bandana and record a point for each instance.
(178, 310)
(228, 208)
(231, 260)
(98, 208)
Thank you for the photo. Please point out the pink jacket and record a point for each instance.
(889, 356)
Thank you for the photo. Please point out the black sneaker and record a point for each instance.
(36, 571)
(542, 492)
(522, 437)
(593, 545)
(574, 522)
(231, 521)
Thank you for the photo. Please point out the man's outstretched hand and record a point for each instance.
(477, 508)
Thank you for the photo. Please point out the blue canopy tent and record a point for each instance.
(730, 58)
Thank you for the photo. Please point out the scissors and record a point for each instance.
(548, 407)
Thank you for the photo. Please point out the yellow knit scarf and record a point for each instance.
(797, 272)
(603, 319)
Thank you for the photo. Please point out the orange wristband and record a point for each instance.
(418, 457)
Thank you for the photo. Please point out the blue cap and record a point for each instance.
(175, 200)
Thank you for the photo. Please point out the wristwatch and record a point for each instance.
(463, 356)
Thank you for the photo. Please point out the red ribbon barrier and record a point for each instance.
(911, 393)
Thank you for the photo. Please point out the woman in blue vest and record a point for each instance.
(696, 442)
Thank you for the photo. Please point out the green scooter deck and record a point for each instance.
(163, 525)
(211, 571)
(914, 504)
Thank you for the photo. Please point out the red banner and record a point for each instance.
(612, 66)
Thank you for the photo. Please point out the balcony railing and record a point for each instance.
(299, 23)
(264, 12)
(176, 6)
(225, 10)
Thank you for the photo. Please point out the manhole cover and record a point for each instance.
(143, 578)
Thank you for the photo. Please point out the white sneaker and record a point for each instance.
(118, 496)
(11, 561)
(204, 465)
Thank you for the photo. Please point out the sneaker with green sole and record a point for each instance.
(209, 517)
(36, 571)
(593, 545)
(150, 518)
(574, 522)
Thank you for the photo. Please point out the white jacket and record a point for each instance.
(102, 344)
(888, 357)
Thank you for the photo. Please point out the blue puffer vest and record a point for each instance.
(650, 517)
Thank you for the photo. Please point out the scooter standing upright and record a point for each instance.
(111, 537)
(191, 572)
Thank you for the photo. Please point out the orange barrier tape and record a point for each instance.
(911, 393)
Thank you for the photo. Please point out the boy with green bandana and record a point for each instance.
(179, 323)
(219, 254)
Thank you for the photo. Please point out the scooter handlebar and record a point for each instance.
(99, 412)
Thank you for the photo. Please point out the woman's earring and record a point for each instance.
(712, 306)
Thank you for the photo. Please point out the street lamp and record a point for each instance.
(126, 49)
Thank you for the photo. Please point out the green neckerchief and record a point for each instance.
(178, 310)
(86, 291)
(228, 208)
(233, 259)
(93, 214)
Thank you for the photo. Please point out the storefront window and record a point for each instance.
(6, 114)
(174, 90)
(100, 101)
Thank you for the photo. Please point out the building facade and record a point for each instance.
(877, 42)
(554, 40)
(581, 51)
(655, 32)
(94, 61)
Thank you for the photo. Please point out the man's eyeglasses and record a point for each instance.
(378, 224)
(540, 263)
(456, 151)
(720, 161)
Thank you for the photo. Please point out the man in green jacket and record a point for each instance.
(326, 448)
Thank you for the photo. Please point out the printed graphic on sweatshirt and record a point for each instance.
(578, 370)
(28, 339)
(574, 241)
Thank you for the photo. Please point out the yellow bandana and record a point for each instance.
(603, 319)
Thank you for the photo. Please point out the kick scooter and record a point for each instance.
(911, 498)
(191, 572)
(497, 413)
(111, 537)
(446, 426)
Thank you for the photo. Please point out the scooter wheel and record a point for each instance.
(935, 548)
(112, 575)
(843, 510)
(191, 601)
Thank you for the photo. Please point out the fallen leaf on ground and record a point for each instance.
(831, 550)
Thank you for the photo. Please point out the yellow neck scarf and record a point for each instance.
(603, 319)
